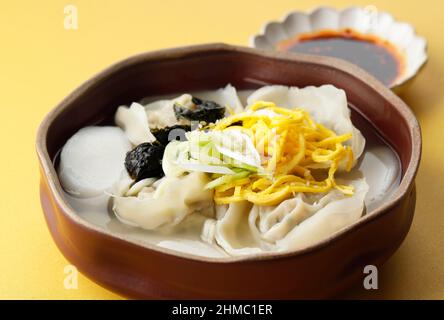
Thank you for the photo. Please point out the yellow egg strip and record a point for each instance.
(291, 145)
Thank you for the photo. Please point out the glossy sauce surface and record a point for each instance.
(378, 57)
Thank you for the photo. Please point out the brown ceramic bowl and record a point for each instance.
(145, 271)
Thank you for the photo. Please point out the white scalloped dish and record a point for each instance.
(389, 50)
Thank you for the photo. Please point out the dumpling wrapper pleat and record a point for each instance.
(244, 229)
(167, 205)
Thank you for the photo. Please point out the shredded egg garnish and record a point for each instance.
(294, 151)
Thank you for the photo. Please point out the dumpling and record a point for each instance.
(326, 104)
(92, 160)
(333, 216)
(137, 120)
(226, 97)
(134, 122)
(161, 114)
(296, 223)
(163, 203)
(232, 232)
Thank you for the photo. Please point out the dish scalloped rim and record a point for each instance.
(365, 20)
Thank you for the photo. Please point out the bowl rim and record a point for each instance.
(48, 170)
(399, 83)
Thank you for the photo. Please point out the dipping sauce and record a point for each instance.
(377, 56)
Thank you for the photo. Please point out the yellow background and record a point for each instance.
(41, 62)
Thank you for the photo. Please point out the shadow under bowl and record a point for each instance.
(140, 270)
